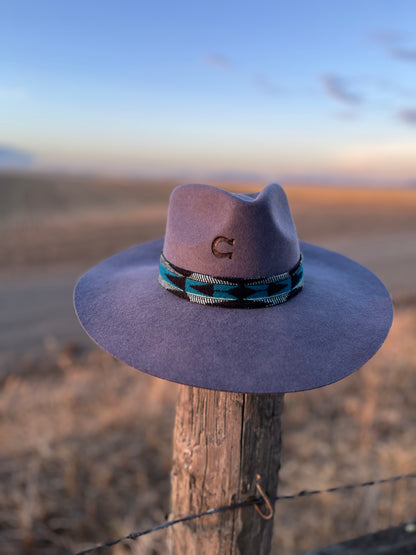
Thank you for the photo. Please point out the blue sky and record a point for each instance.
(221, 88)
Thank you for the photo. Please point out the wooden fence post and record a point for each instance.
(222, 441)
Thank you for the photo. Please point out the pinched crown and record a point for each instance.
(212, 231)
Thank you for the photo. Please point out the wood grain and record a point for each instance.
(221, 442)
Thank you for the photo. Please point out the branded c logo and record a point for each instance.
(216, 242)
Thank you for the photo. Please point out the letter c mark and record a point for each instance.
(214, 247)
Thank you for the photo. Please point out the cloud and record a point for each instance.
(406, 54)
(387, 36)
(218, 60)
(14, 158)
(259, 80)
(263, 84)
(407, 115)
(392, 40)
(337, 88)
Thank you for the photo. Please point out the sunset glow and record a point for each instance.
(225, 88)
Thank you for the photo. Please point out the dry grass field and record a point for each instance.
(85, 440)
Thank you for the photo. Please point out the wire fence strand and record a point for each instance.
(249, 502)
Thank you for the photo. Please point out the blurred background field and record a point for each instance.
(54, 227)
(86, 440)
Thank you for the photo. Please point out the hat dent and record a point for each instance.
(255, 233)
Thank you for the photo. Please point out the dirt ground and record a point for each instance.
(86, 440)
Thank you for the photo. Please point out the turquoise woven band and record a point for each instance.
(233, 292)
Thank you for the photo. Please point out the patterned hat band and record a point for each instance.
(231, 293)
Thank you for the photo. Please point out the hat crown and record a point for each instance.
(223, 234)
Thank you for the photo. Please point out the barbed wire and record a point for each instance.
(249, 502)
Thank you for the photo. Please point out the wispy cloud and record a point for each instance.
(218, 60)
(265, 85)
(393, 41)
(406, 54)
(339, 89)
(387, 36)
(407, 115)
(261, 81)
(11, 157)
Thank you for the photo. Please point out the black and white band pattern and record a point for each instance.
(233, 292)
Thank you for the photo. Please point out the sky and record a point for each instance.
(220, 89)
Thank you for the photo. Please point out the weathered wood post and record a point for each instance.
(222, 442)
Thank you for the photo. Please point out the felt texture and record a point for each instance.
(329, 330)
(260, 224)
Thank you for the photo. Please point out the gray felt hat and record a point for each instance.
(230, 299)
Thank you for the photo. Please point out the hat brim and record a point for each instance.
(326, 332)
